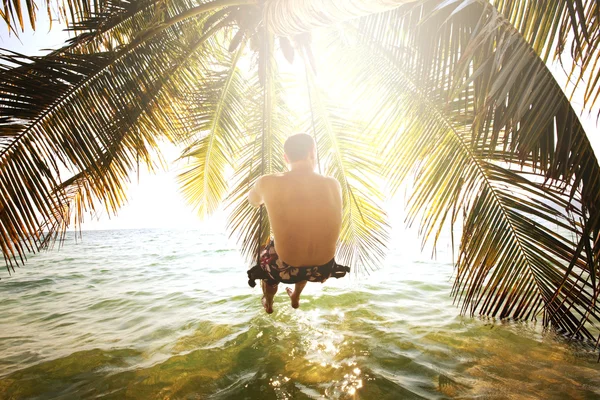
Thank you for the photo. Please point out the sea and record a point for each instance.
(168, 314)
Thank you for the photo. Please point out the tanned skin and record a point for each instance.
(305, 211)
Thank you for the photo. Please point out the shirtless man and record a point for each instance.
(305, 211)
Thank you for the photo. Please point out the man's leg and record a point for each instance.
(268, 294)
(295, 295)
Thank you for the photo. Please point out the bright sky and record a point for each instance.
(154, 200)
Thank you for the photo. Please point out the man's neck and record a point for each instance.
(304, 166)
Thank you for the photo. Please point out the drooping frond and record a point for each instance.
(123, 22)
(569, 30)
(294, 17)
(489, 152)
(120, 23)
(119, 17)
(268, 124)
(67, 113)
(218, 119)
(15, 12)
(524, 119)
(346, 152)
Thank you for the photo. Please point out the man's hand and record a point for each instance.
(255, 195)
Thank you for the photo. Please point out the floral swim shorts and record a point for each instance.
(273, 270)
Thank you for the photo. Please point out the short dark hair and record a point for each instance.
(298, 146)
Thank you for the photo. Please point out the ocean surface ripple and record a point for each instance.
(155, 314)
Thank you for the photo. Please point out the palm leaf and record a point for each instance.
(72, 122)
(219, 120)
(294, 17)
(346, 153)
(119, 23)
(466, 154)
(268, 123)
(559, 27)
(124, 22)
(70, 11)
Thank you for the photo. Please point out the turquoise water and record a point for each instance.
(159, 314)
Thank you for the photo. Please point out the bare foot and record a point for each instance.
(268, 307)
(295, 300)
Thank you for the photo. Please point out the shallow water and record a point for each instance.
(155, 314)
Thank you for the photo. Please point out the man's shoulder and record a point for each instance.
(267, 180)
(329, 181)
(271, 177)
(332, 181)
(279, 177)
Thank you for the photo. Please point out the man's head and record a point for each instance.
(299, 147)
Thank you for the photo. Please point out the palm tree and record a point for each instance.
(452, 97)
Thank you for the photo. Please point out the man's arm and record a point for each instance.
(255, 195)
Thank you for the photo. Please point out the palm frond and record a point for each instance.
(119, 23)
(502, 171)
(568, 31)
(562, 30)
(218, 119)
(74, 122)
(119, 17)
(294, 17)
(268, 124)
(346, 153)
(14, 15)
(487, 79)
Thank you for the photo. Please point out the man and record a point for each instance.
(305, 211)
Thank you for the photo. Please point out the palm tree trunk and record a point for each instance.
(292, 17)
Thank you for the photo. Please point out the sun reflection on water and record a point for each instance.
(278, 385)
(323, 356)
(352, 381)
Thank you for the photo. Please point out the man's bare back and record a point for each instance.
(305, 211)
